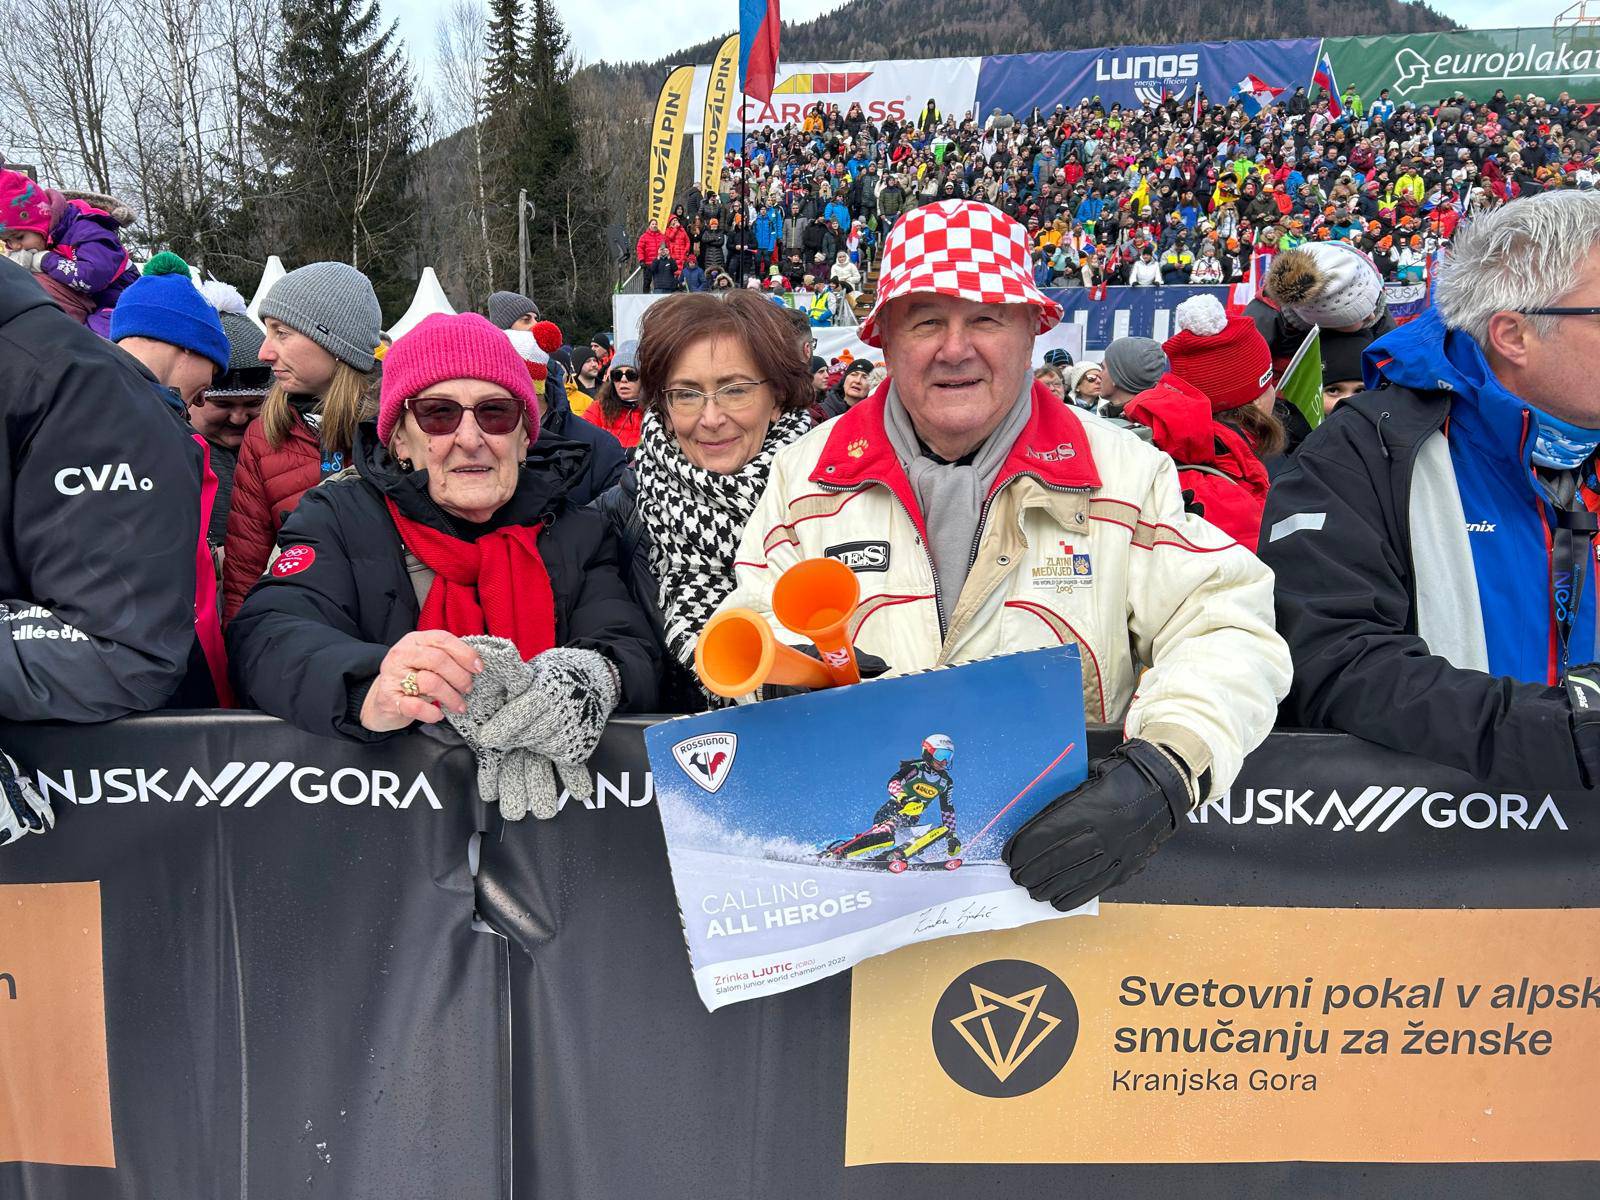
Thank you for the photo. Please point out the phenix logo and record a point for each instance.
(238, 784)
(707, 759)
(1378, 809)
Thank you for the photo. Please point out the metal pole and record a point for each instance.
(744, 191)
(522, 241)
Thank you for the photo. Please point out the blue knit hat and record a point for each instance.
(164, 304)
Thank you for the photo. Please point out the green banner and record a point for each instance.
(1429, 67)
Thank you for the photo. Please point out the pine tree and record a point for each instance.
(337, 129)
(508, 155)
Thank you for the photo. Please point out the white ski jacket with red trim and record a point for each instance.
(1084, 541)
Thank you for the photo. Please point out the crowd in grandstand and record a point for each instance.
(483, 525)
(1181, 193)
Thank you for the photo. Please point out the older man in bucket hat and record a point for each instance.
(1007, 521)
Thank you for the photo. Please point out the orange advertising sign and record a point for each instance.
(1189, 1034)
(53, 1027)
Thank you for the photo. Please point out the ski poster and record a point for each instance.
(809, 833)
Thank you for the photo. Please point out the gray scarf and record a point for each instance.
(952, 495)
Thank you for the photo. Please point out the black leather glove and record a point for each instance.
(870, 666)
(1583, 694)
(1085, 843)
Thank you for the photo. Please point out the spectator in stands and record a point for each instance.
(694, 276)
(1052, 380)
(359, 629)
(224, 412)
(648, 245)
(1341, 373)
(322, 326)
(583, 383)
(1146, 272)
(846, 272)
(662, 275)
(1084, 383)
(74, 247)
(512, 310)
(961, 451)
(171, 329)
(723, 394)
(104, 576)
(851, 390)
(1212, 412)
(676, 238)
(1434, 542)
(616, 407)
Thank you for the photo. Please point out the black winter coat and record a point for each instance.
(1346, 604)
(606, 455)
(99, 524)
(306, 646)
(620, 507)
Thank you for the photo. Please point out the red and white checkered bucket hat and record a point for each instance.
(959, 248)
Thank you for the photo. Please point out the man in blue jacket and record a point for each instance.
(1434, 541)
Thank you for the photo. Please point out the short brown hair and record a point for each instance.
(671, 325)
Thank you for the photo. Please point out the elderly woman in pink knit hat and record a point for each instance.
(445, 576)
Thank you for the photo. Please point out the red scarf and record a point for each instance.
(497, 585)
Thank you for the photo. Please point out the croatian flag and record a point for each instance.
(758, 48)
(1323, 78)
(1255, 94)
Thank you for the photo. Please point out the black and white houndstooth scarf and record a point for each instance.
(696, 518)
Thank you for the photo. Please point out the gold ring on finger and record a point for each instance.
(408, 685)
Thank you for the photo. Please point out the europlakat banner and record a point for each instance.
(789, 869)
(1427, 68)
(897, 90)
(1140, 76)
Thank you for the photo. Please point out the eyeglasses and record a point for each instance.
(437, 416)
(625, 374)
(732, 398)
(1589, 310)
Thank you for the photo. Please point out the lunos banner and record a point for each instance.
(1140, 75)
(720, 87)
(898, 90)
(666, 143)
(1427, 68)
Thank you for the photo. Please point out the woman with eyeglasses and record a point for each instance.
(616, 405)
(724, 389)
(453, 521)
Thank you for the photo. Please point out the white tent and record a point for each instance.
(274, 271)
(430, 299)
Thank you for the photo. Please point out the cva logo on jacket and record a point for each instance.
(106, 477)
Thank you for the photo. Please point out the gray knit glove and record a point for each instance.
(22, 809)
(529, 723)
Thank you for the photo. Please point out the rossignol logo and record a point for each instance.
(708, 758)
(1379, 809)
(106, 477)
(236, 785)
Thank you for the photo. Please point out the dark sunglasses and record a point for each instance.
(627, 374)
(437, 416)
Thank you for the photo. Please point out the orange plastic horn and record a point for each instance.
(737, 653)
(815, 599)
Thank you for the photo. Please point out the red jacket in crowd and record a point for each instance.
(677, 243)
(1215, 461)
(649, 244)
(267, 484)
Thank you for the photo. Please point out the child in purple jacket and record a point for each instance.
(71, 246)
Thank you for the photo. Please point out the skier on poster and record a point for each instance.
(914, 785)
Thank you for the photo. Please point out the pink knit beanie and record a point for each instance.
(24, 205)
(451, 347)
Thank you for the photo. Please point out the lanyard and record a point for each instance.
(1571, 549)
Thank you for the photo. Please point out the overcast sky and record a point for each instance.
(630, 30)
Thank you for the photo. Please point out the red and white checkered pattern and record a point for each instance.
(959, 248)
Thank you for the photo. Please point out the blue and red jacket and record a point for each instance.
(1417, 582)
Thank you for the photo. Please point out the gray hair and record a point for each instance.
(1526, 254)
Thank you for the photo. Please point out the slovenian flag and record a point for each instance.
(1323, 78)
(1255, 94)
(758, 48)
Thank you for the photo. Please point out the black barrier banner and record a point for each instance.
(294, 1001)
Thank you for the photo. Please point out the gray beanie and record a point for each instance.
(334, 305)
(1135, 363)
(507, 308)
